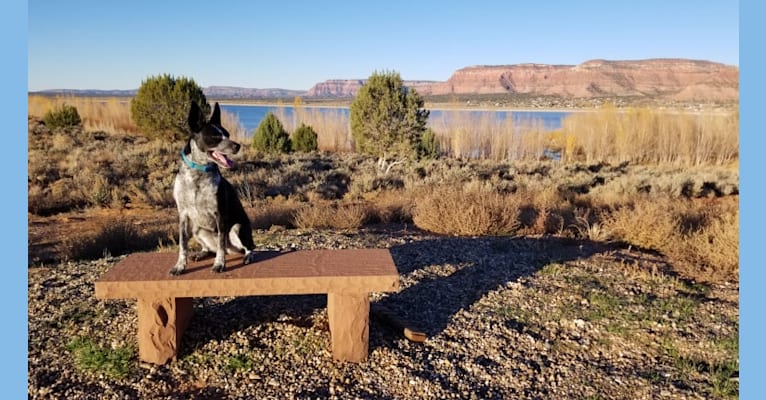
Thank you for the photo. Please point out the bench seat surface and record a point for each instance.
(147, 275)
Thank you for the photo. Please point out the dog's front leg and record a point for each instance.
(220, 253)
(183, 245)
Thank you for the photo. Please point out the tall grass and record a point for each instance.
(482, 135)
(646, 136)
(332, 126)
(636, 135)
(110, 114)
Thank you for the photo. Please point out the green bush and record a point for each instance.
(161, 106)
(429, 145)
(387, 118)
(270, 136)
(62, 117)
(304, 139)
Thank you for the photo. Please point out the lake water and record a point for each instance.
(251, 115)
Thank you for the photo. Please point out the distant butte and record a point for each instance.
(672, 79)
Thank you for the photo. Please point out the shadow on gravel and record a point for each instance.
(473, 267)
(217, 320)
(429, 299)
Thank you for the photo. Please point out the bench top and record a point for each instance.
(146, 275)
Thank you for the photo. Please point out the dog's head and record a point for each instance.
(210, 137)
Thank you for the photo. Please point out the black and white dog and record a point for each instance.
(208, 206)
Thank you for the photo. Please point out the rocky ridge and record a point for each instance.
(668, 79)
(671, 79)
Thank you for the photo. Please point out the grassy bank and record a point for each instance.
(689, 213)
(606, 133)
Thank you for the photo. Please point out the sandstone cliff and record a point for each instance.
(674, 79)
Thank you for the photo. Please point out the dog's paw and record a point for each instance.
(201, 255)
(218, 268)
(249, 258)
(177, 270)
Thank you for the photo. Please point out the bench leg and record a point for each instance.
(349, 316)
(161, 323)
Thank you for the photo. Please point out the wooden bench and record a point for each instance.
(165, 302)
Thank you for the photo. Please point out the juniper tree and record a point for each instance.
(161, 106)
(387, 118)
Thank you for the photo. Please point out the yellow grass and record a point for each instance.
(332, 126)
(646, 136)
(111, 115)
(484, 136)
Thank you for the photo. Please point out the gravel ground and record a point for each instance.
(522, 318)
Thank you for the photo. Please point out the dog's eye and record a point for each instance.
(212, 140)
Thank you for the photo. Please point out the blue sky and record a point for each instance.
(295, 44)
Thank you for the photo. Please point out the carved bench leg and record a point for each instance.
(349, 316)
(161, 323)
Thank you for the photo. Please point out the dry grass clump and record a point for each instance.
(72, 168)
(701, 238)
(331, 215)
(117, 237)
(277, 211)
(391, 206)
(467, 210)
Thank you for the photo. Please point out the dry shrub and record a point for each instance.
(391, 206)
(472, 209)
(701, 238)
(647, 223)
(117, 237)
(331, 215)
(712, 249)
(273, 212)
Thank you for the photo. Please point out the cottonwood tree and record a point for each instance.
(388, 119)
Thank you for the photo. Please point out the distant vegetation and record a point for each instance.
(387, 119)
(664, 180)
(64, 116)
(270, 136)
(161, 106)
(304, 139)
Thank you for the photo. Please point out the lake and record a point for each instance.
(251, 115)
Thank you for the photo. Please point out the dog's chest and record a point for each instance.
(197, 198)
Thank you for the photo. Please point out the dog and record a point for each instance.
(208, 205)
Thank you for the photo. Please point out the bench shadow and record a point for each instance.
(440, 277)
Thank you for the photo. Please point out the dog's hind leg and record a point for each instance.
(241, 238)
(183, 245)
(220, 252)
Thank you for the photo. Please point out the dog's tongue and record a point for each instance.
(222, 160)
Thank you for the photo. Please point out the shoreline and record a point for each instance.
(462, 108)
(430, 108)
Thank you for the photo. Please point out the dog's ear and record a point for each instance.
(195, 117)
(216, 117)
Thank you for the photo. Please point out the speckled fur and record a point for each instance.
(208, 205)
